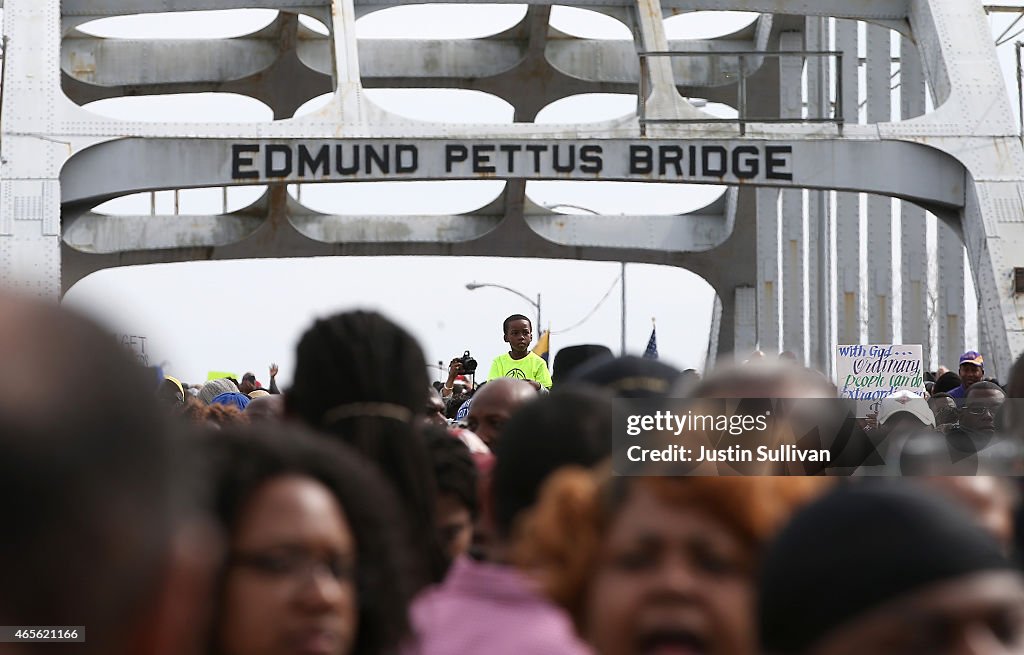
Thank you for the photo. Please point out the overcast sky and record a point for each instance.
(238, 316)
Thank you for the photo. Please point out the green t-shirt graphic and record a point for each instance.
(531, 367)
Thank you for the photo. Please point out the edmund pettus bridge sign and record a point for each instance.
(586, 160)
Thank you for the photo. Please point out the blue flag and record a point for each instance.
(652, 345)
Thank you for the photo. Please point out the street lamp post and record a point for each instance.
(472, 286)
(622, 313)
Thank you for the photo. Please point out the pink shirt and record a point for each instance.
(492, 609)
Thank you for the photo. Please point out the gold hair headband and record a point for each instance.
(368, 410)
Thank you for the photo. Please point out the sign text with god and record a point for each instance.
(374, 159)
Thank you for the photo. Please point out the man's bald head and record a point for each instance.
(266, 408)
(494, 404)
(86, 483)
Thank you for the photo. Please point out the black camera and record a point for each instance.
(468, 363)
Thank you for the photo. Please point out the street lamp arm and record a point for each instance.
(473, 285)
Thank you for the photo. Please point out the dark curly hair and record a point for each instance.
(946, 382)
(454, 468)
(374, 372)
(569, 427)
(515, 317)
(242, 459)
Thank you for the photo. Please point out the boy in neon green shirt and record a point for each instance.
(519, 362)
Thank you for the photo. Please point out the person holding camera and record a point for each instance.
(457, 370)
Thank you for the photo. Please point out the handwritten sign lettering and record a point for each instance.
(868, 374)
(136, 345)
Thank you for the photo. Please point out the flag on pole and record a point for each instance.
(543, 346)
(652, 344)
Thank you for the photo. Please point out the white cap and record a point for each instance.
(906, 401)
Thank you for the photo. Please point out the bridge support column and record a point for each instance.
(769, 276)
(881, 310)
(794, 225)
(993, 221)
(917, 290)
(745, 320)
(950, 291)
(733, 325)
(30, 166)
(849, 271)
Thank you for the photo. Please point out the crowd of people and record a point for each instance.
(363, 511)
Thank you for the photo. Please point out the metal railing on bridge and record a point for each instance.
(742, 119)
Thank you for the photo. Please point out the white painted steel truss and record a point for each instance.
(788, 265)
